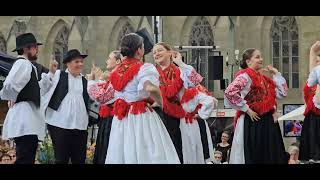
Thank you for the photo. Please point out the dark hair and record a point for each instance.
(21, 51)
(226, 132)
(247, 54)
(130, 43)
(117, 55)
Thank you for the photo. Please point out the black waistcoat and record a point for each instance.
(62, 90)
(31, 92)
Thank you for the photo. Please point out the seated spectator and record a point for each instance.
(294, 155)
(217, 158)
(12, 154)
(6, 159)
(224, 147)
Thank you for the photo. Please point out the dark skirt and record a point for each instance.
(204, 138)
(173, 127)
(263, 142)
(102, 142)
(310, 138)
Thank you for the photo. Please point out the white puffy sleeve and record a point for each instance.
(16, 80)
(235, 93)
(148, 72)
(189, 76)
(314, 76)
(208, 104)
(281, 85)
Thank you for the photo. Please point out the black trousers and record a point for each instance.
(69, 143)
(26, 148)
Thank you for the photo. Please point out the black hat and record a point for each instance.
(25, 40)
(72, 54)
(147, 40)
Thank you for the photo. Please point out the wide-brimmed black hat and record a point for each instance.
(72, 54)
(25, 40)
(147, 40)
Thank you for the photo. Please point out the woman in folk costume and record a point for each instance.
(198, 104)
(65, 102)
(257, 137)
(103, 93)
(138, 136)
(310, 135)
(24, 122)
(175, 76)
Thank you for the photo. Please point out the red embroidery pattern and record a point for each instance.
(189, 94)
(195, 78)
(170, 85)
(106, 110)
(309, 93)
(190, 117)
(124, 73)
(170, 81)
(262, 95)
(232, 92)
(123, 108)
(101, 92)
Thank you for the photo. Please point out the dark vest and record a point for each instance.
(40, 69)
(31, 92)
(62, 90)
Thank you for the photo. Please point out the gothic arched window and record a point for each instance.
(201, 35)
(60, 46)
(3, 44)
(82, 23)
(18, 27)
(285, 48)
(126, 29)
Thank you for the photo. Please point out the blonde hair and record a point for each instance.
(165, 45)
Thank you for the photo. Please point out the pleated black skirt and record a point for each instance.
(310, 138)
(102, 141)
(173, 127)
(263, 143)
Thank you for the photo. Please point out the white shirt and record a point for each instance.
(208, 104)
(134, 90)
(72, 112)
(24, 118)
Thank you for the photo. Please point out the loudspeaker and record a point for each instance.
(223, 84)
(215, 67)
(147, 40)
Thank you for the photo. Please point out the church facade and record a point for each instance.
(283, 40)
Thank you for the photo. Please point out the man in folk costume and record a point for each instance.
(257, 137)
(24, 122)
(66, 109)
(198, 104)
(102, 92)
